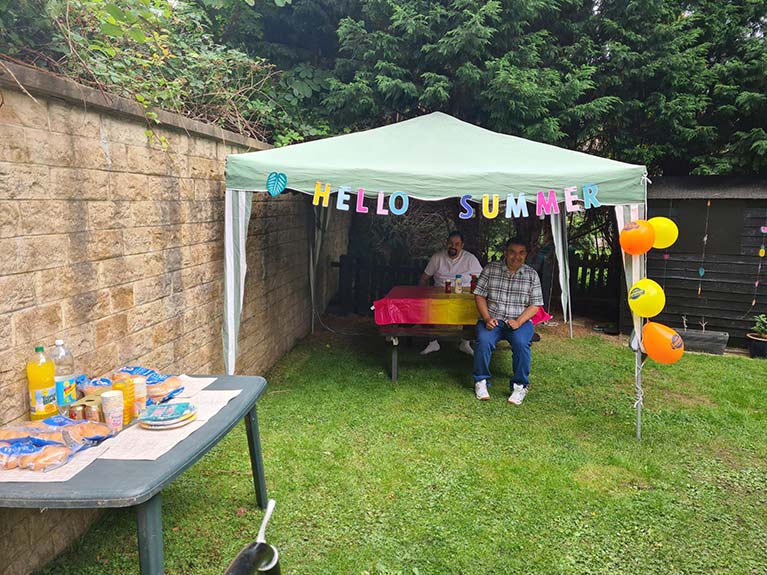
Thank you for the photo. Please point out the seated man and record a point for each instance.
(444, 266)
(508, 294)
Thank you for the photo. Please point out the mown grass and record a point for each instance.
(419, 477)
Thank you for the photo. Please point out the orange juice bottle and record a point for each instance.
(126, 386)
(42, 386)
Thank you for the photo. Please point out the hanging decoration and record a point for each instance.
(666, 232)
(546, 202)
(761, 254)
(662, 343)
(701, 269)
(276, 183)
(646, 297)
(637, 237)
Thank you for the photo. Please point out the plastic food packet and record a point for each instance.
(7, 460)
(47, 444)
(89, 433)
(159, 387)
(27, 455)
(56, 430)
(94, 386)
(39, 431)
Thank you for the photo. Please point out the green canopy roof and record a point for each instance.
(434, 157)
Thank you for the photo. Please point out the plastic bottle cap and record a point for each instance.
(39, 348)
(59, 342)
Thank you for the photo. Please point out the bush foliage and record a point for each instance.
(676, 85)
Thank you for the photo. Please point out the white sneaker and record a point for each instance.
(518, 395)
(465, 347)
(431, 348)
(480, 390)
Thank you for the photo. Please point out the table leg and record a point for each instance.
(394, 358)
(256, 461)
(150, 551)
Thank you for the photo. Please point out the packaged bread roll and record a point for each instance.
(160, 390)
(47, 457)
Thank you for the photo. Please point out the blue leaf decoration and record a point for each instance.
(701, 272)
(276, 183)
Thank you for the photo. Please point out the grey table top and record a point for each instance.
(121, 483)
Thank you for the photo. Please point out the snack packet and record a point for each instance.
(56, 430)
(159, 387)
(47, 444)
(93, 386)
(27, 455)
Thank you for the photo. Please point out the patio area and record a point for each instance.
(418, 477)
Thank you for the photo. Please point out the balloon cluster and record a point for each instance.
(646, 297)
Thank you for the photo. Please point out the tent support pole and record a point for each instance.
(638, 385)
(312, 237)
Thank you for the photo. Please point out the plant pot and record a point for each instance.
(705, 341)
(757, 345)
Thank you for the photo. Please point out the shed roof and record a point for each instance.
(708, 188)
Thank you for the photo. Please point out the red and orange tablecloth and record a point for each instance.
(430, 305)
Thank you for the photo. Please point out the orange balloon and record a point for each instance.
(637, 237)
(662, 343)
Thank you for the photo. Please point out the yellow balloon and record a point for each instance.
(646, 298)
(666, 232)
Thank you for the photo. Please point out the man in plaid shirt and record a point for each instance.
(508, 294)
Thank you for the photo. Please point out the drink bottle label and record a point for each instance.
(66, 391)
(43, 401)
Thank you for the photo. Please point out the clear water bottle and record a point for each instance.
(66, 392)
(458, 284)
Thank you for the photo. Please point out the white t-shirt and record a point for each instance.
(442, 267)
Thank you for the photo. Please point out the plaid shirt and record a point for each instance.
(508, 294)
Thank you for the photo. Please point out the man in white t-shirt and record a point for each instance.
(444, 266)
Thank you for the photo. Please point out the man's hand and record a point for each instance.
(513, 323)
(491, 323)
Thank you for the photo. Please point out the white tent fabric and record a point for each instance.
(559, 234)
(237, 206)
(431, 157)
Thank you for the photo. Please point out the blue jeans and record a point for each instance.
(520, 340)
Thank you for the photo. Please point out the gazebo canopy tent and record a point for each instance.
(432, 157)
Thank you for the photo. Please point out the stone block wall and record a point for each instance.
(116, 245)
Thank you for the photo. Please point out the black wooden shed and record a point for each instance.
(713, 274)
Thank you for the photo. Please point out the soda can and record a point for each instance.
(77, 412)
(448, 287)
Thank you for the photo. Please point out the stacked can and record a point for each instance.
(139, 396)
(125, 385)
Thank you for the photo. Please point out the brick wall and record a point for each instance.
(116, 246)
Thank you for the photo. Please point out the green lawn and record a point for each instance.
(419, 477)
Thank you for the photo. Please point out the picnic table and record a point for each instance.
(108, 483)
(418, 311)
